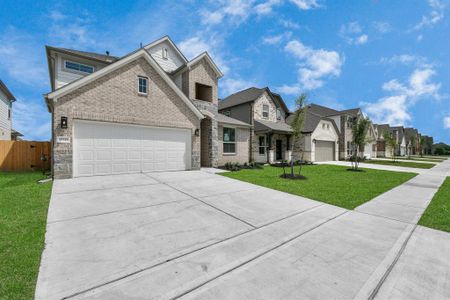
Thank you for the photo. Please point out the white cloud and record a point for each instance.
(434, 17)
(71, 32)
(362, 39)
(289, 24)
(420, 37)
(306, 4)
(236, 11)
(193, 46)
(266, 7)
(447, 122)
(408, 60)
(314, 64)
(352, 33)
(289, 89)
(382, 27)
(394, 109)
(229, 85)
(276, 39)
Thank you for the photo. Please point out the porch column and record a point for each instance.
(288, 152)
(270, 152)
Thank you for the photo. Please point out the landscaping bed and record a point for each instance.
(327, 183)
(23, 215)
(398, 163)
(437, 214)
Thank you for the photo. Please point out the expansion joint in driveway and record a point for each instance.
(259, 255)
(391, 266)
(200, 249)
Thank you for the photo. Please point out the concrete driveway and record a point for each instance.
(199, 235)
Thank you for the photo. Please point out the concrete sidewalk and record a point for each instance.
(407, 160)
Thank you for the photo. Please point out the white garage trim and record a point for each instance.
(104, 148)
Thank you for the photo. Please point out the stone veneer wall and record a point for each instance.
(114, 98)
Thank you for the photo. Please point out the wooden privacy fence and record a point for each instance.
(24, 156)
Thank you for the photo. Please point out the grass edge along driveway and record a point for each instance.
(327, 183)
(23, 215)
(437, 214)
(398, 163)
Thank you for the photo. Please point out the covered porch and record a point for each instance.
(272, 142)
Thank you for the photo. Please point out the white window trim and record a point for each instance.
(76, 71)
(264, 146)
(235, 143)
(139, 92)
(268, 111)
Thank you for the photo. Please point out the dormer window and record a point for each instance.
(74, 66)
(165, 53)
(265, 111)
(142, 85)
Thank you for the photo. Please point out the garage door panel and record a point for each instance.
(109, 148)
(324, 150)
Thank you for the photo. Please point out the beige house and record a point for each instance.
(6, 100)
(150, 110)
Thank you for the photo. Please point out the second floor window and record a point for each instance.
(142, 85)
(278, 114)
(70, 65)
(265, 111)
(229, 140)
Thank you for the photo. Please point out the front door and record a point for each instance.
(278, 154)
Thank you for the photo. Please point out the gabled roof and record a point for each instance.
(250, 95)
(382, 128)
(114, 66)
(221, 118)
(7, 92)
(311, 121)
(208, 59)
(166, 38)
(400, 131)
(104, 58)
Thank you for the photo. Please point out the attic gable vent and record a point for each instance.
(165, 53)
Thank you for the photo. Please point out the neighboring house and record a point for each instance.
(270, 137)
(399, 133)
(343, 120)
(234, 140)
(6, 100)
(150, 110)
(370, 149)
(412, 141)
(319, 141)
(383, 149)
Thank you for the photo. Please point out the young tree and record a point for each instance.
(360, 127)
(297, 125)
(390, 141)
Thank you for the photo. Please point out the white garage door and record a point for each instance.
(108, 148)
(324, 151)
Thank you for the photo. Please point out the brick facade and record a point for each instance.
(242, 144)
(114, 98)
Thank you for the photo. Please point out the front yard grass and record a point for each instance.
(437, 214)
(398, 163)
(23, 215)
(330, 184)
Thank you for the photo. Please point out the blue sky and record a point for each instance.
(391, 58)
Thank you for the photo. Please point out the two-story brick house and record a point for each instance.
(270, 138)
(150, 110)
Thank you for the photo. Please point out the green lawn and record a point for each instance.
(437, 214)
(331, 184)
(23, 215)
(398, 163)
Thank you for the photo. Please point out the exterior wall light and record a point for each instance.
(64, 122)
(197, 132)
